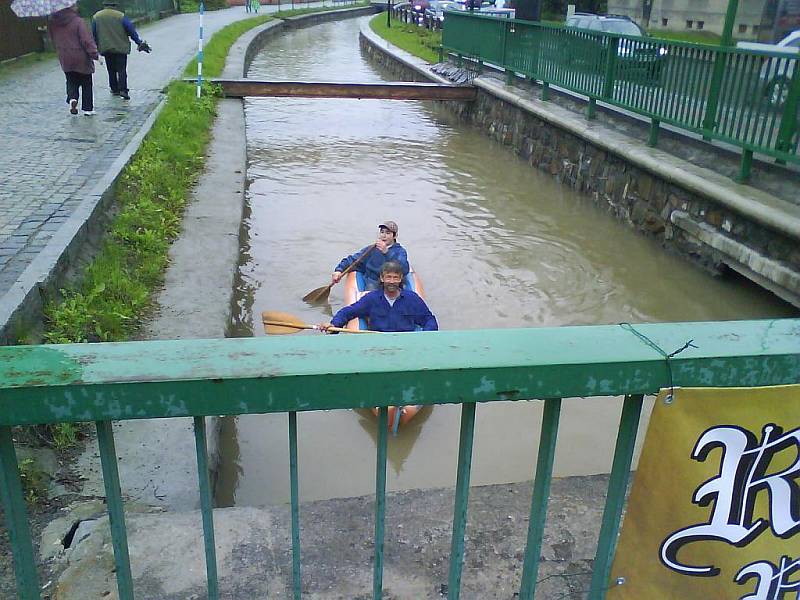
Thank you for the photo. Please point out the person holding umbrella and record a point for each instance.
(76, 53)
(73, 42)
(112, 30)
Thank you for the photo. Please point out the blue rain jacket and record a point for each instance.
(408, 312)
(371, 266)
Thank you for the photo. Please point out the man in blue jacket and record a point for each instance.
(390, 309)
(385, 248)
(112, 30)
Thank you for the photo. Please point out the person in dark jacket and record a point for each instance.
(112, 30)
(386, 248)
(390, 309)
(76, 52)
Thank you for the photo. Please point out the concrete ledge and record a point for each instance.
(769, 273)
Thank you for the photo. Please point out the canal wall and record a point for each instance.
(690, 210)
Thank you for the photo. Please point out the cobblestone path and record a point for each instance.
(50, 160)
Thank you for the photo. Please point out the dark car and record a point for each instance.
(418, 8)
(638, 56)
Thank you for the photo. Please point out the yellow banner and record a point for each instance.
(714, 512)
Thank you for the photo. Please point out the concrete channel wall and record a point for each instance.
(691, 210)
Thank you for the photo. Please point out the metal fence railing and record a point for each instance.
(134, 9)
(164, 379)
(744, 97)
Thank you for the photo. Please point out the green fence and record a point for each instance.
(134, 9)
(743, 97)
(197, 378)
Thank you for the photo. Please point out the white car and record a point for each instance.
(776, 73)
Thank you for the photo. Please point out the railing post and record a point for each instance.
(294, 484)
(611, 62)
(380, 500)
(745, 166)
(116, 512)
(615, 500)
(652, 139)
(541, 493)
(466, 437)
(591, 109)
(791, 108)
(206, 506)
(545, 91)
(17, 519)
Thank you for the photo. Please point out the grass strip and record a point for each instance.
(414, 39)
(114, 292)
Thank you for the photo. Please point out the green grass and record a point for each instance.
(417, 40)
(115, 289)
(215, 53)
(695, 37)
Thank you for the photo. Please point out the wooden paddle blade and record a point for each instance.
(281, 323)
(319, 295)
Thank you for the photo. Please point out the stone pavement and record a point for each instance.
(50, 161)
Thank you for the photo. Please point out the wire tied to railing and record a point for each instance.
(667, 356)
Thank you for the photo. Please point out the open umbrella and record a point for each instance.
(39, 8)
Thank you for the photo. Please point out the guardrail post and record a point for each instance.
(591, 109)
(615, 500)
(545, 91)
(791, 108)
(116, 511)
(652, 139)
(611, 62)
(17, 519)
(745, 166)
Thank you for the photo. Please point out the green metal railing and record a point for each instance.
(197, 378)
(747, 98)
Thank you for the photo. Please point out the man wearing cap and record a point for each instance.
(111, 30)
(385, 248)
(390, 309)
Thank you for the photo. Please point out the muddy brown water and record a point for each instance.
(497, 244)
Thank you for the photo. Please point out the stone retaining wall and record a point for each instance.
(704, 228)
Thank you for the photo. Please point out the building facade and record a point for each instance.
(692, 15)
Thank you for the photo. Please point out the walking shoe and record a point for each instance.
(89, 113)
(73, 107)
(124, 95)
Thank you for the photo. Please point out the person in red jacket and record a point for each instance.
(76, 53)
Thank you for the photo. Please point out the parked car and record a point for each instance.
(418, 8)
(437, 8)
(776, 72)
(647, 55)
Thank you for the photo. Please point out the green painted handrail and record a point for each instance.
(743, 97)
(106, 382)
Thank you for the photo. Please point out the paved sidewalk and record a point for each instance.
(50, 160)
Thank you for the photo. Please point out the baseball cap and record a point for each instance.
(390, 225)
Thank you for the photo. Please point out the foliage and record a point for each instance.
(215, 53)
(33, 481)
(695, 37)
(282, 14)
(115, 289)
(419, 41)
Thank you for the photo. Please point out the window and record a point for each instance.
(742, 28)
(700, 24)
(689, 23)
(664, 22)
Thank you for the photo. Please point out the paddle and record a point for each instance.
(321, 294)
(281, 323)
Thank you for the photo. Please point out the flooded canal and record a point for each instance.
(497, 244)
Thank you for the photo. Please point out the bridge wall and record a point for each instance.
(699, 214)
